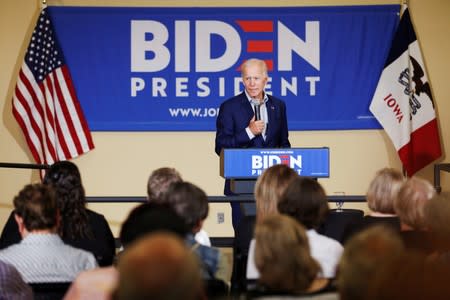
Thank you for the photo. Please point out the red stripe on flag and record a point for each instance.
(77, 106)
(259, 46)
(34, 125)
(49, 123)
(29, 88)
(73, 136)
(47, 110)
(33, 150)
(423, 148)
(60, 137)
(256, 26)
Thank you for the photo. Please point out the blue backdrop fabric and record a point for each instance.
(168, 69)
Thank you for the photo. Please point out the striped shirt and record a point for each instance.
(45, 258)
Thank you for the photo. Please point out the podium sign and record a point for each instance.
(250, 163)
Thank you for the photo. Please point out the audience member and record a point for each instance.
(158, 183)
(380, 197)
(42, 256)
(436, 217)
(268, 190)
(364, 254)
(284, 261)
(409, 206)
(97, 284)
(79, 227)
(305, 200)
(12, 285)
(149, 218)
(410, 276)
(143, 220)
(191, 204)
(158, 267)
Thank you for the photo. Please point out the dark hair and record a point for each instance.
(305, 200)
(149, 218)
(65, 178)
(36, 205)
(189, 202)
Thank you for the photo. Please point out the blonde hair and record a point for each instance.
(282, 255)
(270, 186)
(410, 202)
(436, 214)
(384, 189)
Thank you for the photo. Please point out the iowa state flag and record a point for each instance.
(403, 104)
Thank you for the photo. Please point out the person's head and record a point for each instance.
(305, 200)
(383, 190)
(282, 254)
(190, 202)
(149, 218)
(65, 178)
(411, 276)
(254, 77)
(437, 214)
(364, 254)
(158, 266)
(410, 202)
(159, 181)
(35, 208)
(270, 186)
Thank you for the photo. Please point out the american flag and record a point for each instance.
(45, 103)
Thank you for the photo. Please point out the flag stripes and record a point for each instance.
(45, 104)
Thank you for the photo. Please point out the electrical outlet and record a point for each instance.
(220, 217)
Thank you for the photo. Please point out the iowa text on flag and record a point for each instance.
(403, 104)
(45, 103)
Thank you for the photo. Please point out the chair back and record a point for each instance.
(337, 221)
(49, 290)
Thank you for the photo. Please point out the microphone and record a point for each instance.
(257, 109)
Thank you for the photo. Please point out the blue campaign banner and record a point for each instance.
(250, 163)
(161, 69)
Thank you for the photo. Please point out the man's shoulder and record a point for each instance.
(276, 100)
(235, 99)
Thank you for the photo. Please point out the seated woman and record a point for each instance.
(79, 227)
(268, 190)
(381, 194)
(284, 261)
(410, 204)
(305, 200)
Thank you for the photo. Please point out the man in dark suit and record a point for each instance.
(252, 119)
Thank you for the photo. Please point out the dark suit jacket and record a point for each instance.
(235, 115)
(102, 246)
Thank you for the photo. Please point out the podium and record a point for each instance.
(243, 166)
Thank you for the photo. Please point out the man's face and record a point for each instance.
(254, 81)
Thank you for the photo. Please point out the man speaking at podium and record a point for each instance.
(252, 119)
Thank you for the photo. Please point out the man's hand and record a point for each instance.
(256, 127)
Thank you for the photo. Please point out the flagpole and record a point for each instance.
(403, 7)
